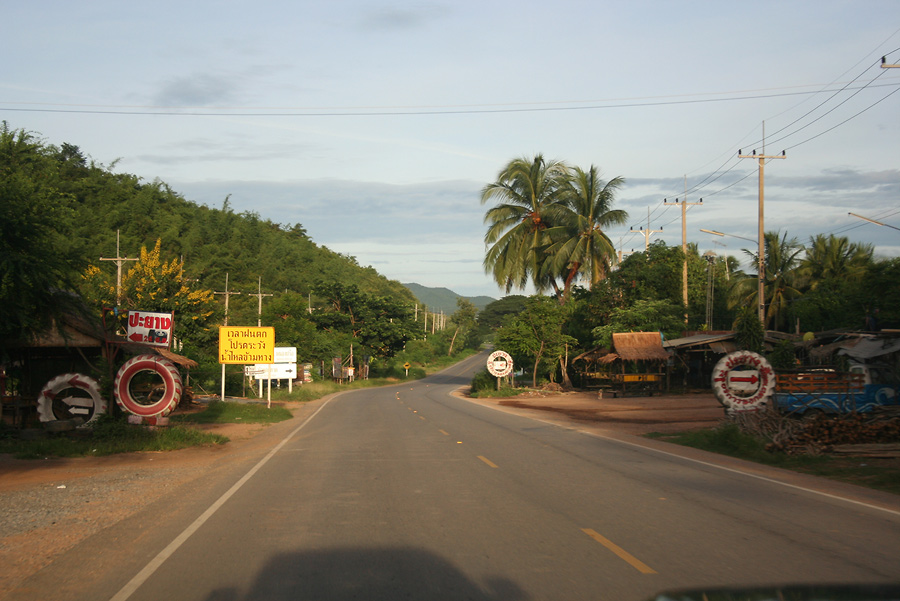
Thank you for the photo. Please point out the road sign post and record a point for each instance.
(499, 365)
(245, 344)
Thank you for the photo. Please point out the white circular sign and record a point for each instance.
(743, 381)
(500, 364)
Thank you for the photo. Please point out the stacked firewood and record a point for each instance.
(821, 433)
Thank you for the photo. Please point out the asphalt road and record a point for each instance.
(411, 493)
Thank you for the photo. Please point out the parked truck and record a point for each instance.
(825, 390)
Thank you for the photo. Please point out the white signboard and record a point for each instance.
(150, 328)
(285, 354)
(275, 371)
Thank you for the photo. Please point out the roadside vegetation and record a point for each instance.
(731, 440)
(109, 436)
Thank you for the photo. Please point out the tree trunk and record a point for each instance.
(566, 382)
(452, 340)
(536, 361)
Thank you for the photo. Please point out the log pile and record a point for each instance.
(821, 433)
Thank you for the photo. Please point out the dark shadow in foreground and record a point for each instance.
(370, 574)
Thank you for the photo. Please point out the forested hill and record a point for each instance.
(212, 242)
(444, 299)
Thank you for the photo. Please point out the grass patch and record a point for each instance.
(728, 439)
(218, 412)
(488, 393)
(108, 437)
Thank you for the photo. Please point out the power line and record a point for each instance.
(379, 111)
(716, 175)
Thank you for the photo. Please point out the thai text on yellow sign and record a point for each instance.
(244, 344)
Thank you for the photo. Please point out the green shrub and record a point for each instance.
(483, 380)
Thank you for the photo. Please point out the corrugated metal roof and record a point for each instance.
(697, 340)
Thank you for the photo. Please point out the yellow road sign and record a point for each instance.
(244, 345)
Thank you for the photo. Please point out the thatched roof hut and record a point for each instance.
(639, 346)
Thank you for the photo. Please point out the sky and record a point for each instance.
(375, 125)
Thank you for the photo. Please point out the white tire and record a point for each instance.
(71, 395)
(739, 390)
(148, 397)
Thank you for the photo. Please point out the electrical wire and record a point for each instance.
(719, 173)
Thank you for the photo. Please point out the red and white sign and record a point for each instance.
(500, 364)
(154, 329)
(743, 381)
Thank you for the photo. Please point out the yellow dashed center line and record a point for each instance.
(487, 461)
(622, 553)
(444, 433)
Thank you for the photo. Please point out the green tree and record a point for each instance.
(537, 334)
(748, 331)
(579, 245)
(525, 193)
(835, 257)
(463, 320)
(38, 263)
(379, 324)
(782, 282)
(836, 284)
(153, 284)
(493, 315)
(642, 316)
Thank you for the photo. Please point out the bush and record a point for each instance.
(729, 439)
(483, 380)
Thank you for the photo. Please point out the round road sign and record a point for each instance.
(500, 364)
(743, 381)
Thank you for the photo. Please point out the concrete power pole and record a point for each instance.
(647, 233)
(120, 260)
(227, 295)
(761, 300)
(260, 296)
(684, 272)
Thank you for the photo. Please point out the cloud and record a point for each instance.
(196, 90)
(393, 19)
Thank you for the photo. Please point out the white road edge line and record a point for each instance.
(747, 474)
(148, 571)
(701, 462)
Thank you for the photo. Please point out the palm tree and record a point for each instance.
(835, 257)
(580, 247)
(782, 279)
(525, 191)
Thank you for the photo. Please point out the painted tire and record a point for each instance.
(54, 405)
(744, 398)
(155, 401)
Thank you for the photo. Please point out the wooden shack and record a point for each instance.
(636, 364)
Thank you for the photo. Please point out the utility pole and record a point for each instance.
(260, 296)
(119, 262)
(227, 294)
(761, 300)
(684, 272)
(884, 64)
(648, 232)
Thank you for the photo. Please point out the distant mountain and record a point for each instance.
(444, 299)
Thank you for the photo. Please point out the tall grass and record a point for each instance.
(729, 439)
(110, 436)
(218, 412)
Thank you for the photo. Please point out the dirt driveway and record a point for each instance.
(629, 415)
